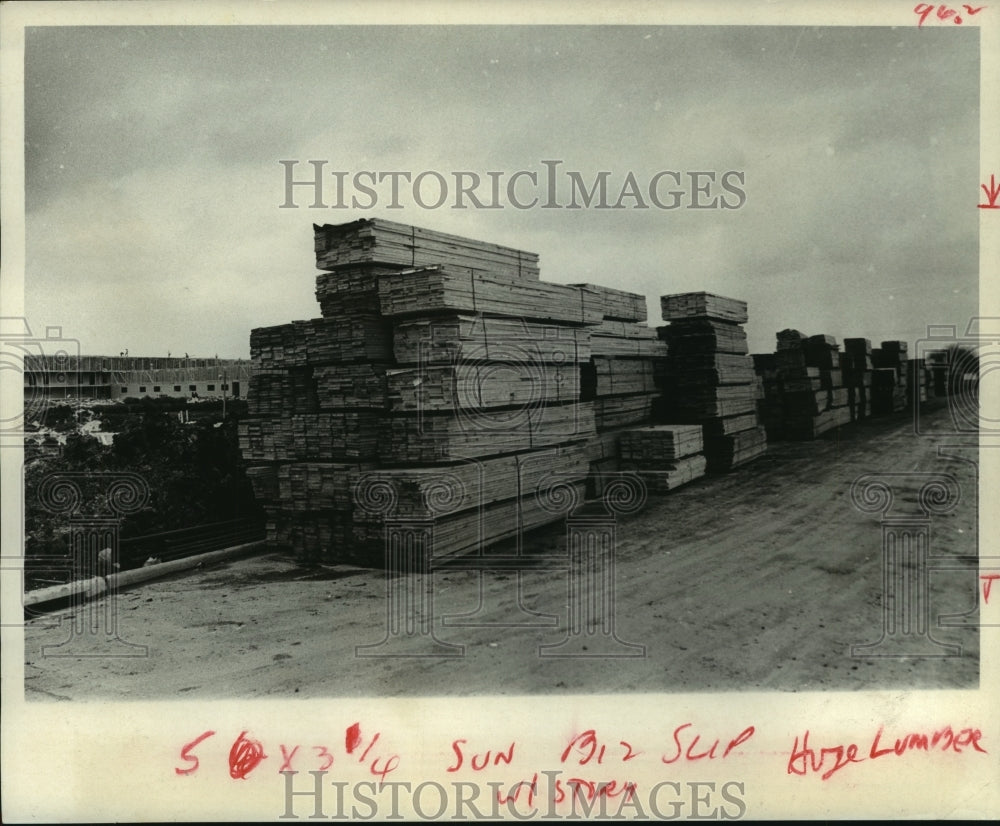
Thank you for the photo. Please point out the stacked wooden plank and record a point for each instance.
(352, 290)
(856, 365)
(459, 338)
(438, 360)
(703, 305)
(937, 365)
(427, 492)
(465, 434)
(474, 385)
(450, 289)
(916, 377)
(891, 397)
(804, 386)
(625, 339)
(468, 531)
(709, 379)
(351, 338)
(666, 456)
(376, 241)
(613, 305)
(618, 377)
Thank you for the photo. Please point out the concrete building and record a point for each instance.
(121, 377)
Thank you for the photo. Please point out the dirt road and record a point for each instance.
(760, 579)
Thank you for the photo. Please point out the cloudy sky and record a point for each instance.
(153, 178)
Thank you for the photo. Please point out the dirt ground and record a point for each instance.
(760, 579)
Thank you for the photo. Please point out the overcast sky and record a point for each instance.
(154, 184)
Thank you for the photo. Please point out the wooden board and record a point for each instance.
(728, 425)
(832, 378)
(704, 336)
(467, 337)
(425, 493)
(282, 392)
(682, 376)
(450, 289)
(612, 412)
(670, 475)
(264, 480)
(310, 437)
(858, 346)
(617, 377)
(703, 305)
(656, 445)
(318, 486)
(810, 427)
(621, 339)
(610, 303)
(375, 240)
(435, 438)
(838, 397)
(321, 341)
(693, 410)
(470, 531)
(801, 385)
(820, 353)
(351, 386)
(350, 291)
(476, 385)
(806, 403)
(790, 339)
(726, 452)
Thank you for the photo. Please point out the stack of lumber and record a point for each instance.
(625, 339)
(884, 390)
(618, 379)
(458, 338)
(465, 434)
(423, 493)
(444, 368)
(805, 390)
(613, 305)
(347, 338)
(465, 532)
(856, 365)
(450, 289)
(937, 365)
(892, 398)
(352, 290)
(709, 379)
(474, 385)
(376, 241)
(666, 456)
(916, 377)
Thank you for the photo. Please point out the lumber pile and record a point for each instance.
(806, 393)
(619, 379)
(708, 379)
(856, 365)
(917, 380)
(440, 289)
(465, 338)
(375, 241)
(937, 367)
(890, 392)
(442, 370)
(666, 456)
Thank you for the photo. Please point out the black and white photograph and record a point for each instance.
(499, 412)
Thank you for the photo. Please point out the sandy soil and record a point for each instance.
(760, 579)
